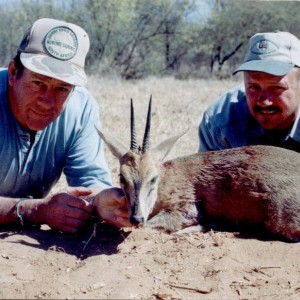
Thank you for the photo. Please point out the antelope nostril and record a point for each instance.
(135, 220)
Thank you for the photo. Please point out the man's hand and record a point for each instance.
(111, 206)
(66, 210)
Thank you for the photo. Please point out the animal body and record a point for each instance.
(255, 187)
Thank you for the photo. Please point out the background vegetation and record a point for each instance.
(137, 38)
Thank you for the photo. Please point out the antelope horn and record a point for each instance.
(133, 145)
(146, 142)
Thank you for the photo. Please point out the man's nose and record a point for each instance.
(47, 98)
(264, 99)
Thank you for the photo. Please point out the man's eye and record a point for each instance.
(37, 83)
(64, 89)
(253, 88)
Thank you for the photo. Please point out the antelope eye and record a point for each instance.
(153, 180)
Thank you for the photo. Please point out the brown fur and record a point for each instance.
(251, 186)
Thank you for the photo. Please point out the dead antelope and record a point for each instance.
(255, 187)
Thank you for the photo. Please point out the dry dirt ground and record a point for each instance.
(103, 262)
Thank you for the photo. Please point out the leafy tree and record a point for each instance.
(138, 38)
(17, 15)
(135, 37)
(231, 26)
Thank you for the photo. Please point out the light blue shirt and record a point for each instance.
(70, 144)
(227, 123)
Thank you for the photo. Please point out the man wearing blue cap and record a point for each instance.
(265, 109)
(47, 126)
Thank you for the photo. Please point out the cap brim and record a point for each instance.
(54, 68)
(274, 67)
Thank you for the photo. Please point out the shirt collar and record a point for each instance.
(256, 131)
(295, 131)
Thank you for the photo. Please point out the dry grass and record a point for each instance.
(177, 105)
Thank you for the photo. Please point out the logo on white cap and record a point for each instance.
(61, 42)
(264, 47)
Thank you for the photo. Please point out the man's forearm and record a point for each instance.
(28, 210)
(67, 210)
(8, 214)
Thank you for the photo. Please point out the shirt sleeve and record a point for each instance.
(207, 138)
(225, 123)
(85, 163)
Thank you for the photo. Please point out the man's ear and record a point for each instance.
(12, 73)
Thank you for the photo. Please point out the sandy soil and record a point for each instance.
(103, 262)
(139, 264)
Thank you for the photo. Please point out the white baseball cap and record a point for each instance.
(56, 49)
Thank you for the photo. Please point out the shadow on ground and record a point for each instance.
(95, 239)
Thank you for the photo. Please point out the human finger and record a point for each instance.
(76, 220)
(80, 204)
(78, 213)
(79, 191)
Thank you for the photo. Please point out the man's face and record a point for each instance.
(36, 100)
(273, 100)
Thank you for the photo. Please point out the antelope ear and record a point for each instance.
(115, 146)
(161, 151)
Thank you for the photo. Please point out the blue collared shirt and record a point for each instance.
(70, 144)
(227, 123)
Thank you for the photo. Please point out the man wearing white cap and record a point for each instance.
(265, 109)
(47, 126)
